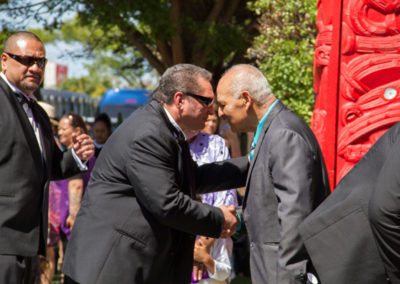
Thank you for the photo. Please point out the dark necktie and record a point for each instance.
(23, 100)
(32, 105)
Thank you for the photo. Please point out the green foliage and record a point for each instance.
(284, 50)
(211, 34)
(93, 86)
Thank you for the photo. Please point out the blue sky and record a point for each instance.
(59, 53)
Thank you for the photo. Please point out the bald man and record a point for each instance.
(29, 157)
(286, 181)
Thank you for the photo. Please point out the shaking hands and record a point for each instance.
(230, 220)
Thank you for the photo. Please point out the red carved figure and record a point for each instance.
(357, 78)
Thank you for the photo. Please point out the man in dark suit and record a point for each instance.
(29, 157)
(286, 181)
(384, 213)
(138, 219)
(338, 233)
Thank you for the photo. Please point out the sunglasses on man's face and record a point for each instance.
(28, 61)
(203, 100)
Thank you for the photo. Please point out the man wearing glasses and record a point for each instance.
(29, 157)
(139, 216)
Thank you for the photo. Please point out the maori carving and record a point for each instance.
(323, 46)
(368, 99)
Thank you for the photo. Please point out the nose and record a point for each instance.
(35, 69)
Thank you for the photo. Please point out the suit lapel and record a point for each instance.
(25, 124)
(185, 162)
(46, 132)
(276, 110)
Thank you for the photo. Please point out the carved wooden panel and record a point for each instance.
(368, 63)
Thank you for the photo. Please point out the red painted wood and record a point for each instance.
(358, 82)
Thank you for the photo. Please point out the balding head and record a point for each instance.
(245, 77)
(23, 61)
(16, 40)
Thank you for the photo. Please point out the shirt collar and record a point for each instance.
(173, 122)
(15, 89)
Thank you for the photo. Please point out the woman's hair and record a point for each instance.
(103, 117)
(76, 121)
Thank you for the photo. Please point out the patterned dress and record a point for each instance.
(207, 148)
(59, 206)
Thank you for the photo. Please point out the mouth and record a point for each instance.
(33, 78)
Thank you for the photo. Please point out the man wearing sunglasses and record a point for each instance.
(29, 157)
(139, 216)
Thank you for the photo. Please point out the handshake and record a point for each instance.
(231, 220)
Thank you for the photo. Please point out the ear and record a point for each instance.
(178, 99)
(78, 130)
(246, 99)
(3, 62)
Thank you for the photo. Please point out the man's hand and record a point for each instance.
(230, 220)
(83, 146)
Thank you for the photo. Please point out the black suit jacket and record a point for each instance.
(384, 213)
(138, 221)
(338, 233)
(24, 176)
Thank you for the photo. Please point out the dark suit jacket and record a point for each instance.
(287, 180)
(138, 221)
(338, 234)
(384, 212)
(24, 176)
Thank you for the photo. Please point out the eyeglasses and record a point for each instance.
(203, 100)
(29, 60)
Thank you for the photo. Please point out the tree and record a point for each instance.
(208, 33)
(284, 50)
(126, 67)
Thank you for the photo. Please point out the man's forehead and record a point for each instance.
(21, 43)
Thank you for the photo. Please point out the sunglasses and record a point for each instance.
(203, 100)
(29, 60)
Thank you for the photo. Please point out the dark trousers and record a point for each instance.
(15, 269)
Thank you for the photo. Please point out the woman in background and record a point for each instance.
(64, 199)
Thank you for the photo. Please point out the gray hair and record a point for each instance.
(180, 78)
(245, 77)
(10, 41)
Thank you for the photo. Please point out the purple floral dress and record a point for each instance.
(207, 148)
(59, 205)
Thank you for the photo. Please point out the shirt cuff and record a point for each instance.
(81, 165)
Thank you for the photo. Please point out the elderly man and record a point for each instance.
(29, 157)
(139, 217)
(286, 180)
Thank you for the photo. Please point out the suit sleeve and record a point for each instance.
(291, 167)
(384, 214)
(63, 164)
(223, 175)
(152, 171)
